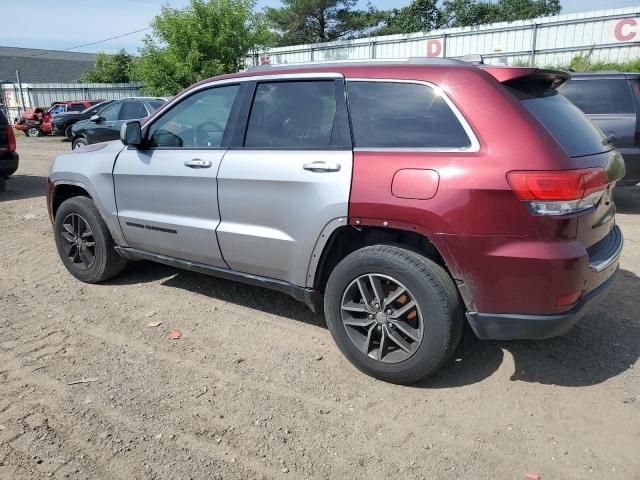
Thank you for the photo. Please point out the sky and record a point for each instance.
(63, 24)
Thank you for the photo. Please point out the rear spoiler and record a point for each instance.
(550, 78)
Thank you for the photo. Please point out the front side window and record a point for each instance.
(403, 115)
(110, 113)
(76, 107)
(298, 114)
(593, 97)
(197, 122)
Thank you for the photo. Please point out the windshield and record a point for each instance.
(577, 135)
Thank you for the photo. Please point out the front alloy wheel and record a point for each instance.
(382, 318)
(78, 242)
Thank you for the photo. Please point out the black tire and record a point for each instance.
(106, 261)
(432, 289)
(79, 142)
(68, 133)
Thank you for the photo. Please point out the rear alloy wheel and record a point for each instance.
(382, 318)
(395, 314)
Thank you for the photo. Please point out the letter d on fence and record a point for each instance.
(434, 48)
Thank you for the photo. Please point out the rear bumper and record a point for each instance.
(8, 163)
(488, 326)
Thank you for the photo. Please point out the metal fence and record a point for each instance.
(612, 36)
(18, 97)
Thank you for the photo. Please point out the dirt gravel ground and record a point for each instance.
(255, 388)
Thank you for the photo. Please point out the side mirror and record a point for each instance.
(96, 119)
(131, 134)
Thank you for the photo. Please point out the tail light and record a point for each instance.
(559, 192)
(11, 138)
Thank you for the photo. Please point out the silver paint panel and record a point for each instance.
(155, 188)
(91, 170)
(274, 211)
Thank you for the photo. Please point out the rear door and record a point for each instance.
(608, 102)
(287, 178)
(167, 193)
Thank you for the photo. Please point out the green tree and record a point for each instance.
(463, 13)
(419, 16)
(207, 38)
(118, 68)
(312, 21)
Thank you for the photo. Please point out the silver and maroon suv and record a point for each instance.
(386, 193)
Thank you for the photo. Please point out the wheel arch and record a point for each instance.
(64, 190)
(341, 239)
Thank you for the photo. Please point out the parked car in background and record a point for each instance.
(397, 196)
(612, 101)
(8, 155)
(62, 122)
(35, 122)
(105, 125)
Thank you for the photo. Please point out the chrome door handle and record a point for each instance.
(322, 167)
(197, 163)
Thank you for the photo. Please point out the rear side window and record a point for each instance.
(595, 97)
(566, 122)
(403, 115)
(132, 111)
(292, 115)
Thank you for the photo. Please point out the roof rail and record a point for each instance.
(427, 61)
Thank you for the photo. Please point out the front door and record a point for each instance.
(167, 193)
(287, 180)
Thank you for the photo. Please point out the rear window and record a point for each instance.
(595, 97)
(577, 135)
(75, 107)
(403, 115)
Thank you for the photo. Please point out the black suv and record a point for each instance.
(105, 126)
(8, 155)
(612, 101)
(61, 124)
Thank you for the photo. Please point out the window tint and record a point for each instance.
(292, 115)
(111, 112)
(402, 115)
(197, 122)
(599, 96)
(156, 104)
(75, 107)
(132, 111)
(568, 125)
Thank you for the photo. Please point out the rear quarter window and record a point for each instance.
(403, 115)
(577, 135)
(600, 96)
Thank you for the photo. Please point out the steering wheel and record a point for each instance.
(205, 131)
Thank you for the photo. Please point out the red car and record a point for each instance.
(402, 197)
(35, 122)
